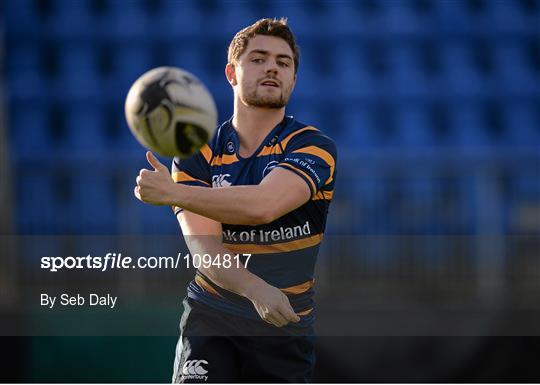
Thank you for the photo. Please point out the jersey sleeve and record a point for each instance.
(193, 171)
(312, 156)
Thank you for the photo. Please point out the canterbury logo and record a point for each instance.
(220, 180)
(194, 367)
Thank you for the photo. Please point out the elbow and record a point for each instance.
(262, 216)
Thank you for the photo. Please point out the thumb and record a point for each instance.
(158, 166)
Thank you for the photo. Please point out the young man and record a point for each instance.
(261, 186)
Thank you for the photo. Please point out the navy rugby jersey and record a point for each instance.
(283, 251)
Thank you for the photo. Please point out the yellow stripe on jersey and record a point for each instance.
(275, 149)
(297, 244)
(321, 154)
(299, 289)
(287, 165)
(205, 285)
(326, 195)
(269, 150)
(293, 134)
(224, 159)
(305, 312)
(181, 176)
(206, 152)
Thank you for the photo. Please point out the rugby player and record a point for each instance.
(262, 186)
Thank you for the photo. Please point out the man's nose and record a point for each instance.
(271, 67)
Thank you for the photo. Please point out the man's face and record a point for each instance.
(264, 73)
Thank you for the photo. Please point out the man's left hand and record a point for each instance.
(155, 187)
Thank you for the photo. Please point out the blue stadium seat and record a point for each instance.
(93, 206)
(24, 78)
(85, 125)
(129, 63)
(300, 18)
(514, 73)
(358, 129)
(71, 20)
(126, 20)
(418, 204)
(35, 201)
(409, 80)
(523, 121)
(315, 78)
(469, 127)
(351, 78)
(189, 57)
(21, 18)
(344, 19)
(398, 19)
(29, 130)
(527, 187)
(80, 76)
(117, 131)
(233, 19)
(461, 78)
(179, 19)
(511, 17)
(413, 127)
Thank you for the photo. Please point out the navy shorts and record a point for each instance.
(219, 347)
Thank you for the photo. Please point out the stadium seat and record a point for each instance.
(461, 77)
(188, 56)
(85, 127)
(179, 20)
(358, 129)
(409, 81)
(127, 21)
(469, 128)
(315, 73)
(129, 63)
(352, 78)
(413, 129)
(29, 131)
(23, 18)
(24, 78)
(35, 202)
(80, 77)
(71, 20)
(92, 202)
(523, 122)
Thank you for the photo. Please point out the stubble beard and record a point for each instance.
(252, 99)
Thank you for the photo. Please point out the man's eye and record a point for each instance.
(283, 64)
(257, 60)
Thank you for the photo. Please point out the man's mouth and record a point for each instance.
(270, 83)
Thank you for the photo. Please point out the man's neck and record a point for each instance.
(253, 125)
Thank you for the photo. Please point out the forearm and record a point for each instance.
(235, 278)
(249, 205)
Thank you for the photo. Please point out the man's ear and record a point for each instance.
(230, 73)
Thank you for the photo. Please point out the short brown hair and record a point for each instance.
(266, 27)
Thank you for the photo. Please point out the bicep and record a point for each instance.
(286, 190)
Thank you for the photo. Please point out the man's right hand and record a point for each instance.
(272, 304)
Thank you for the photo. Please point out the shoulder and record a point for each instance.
(303, 135)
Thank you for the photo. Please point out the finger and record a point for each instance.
(158, 166)
(144, 171)
(289, 314)
(277, 319)
(138, 180)
(137, 193)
